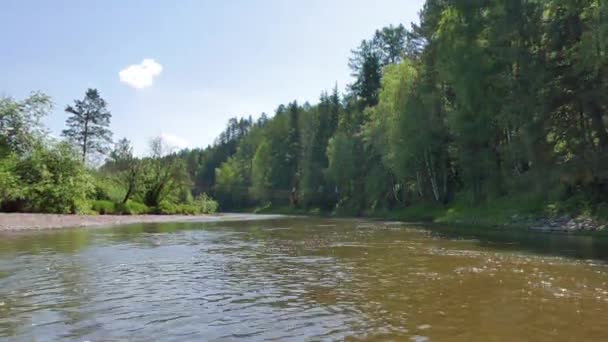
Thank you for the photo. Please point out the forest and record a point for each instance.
(489, 108)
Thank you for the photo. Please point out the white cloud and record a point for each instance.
(141, 75)
(174, 141)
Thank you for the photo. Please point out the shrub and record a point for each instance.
(206, 204)
(184, 195)
(132, 208)
(166, 208)
(104, 207)
(54, 180)
(106, 188)
(10, 188)
(187, 209)
(202, 205)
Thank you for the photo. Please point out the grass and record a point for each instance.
(105, 207)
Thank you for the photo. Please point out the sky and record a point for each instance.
(181, 69)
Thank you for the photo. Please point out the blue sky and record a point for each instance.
(219, 59)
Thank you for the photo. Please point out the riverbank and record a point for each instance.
(27, 222)
(506, 214)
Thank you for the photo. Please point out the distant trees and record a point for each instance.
(127, 168)
(478, 102)
(48, 178)
(53, 180)
(165, 173)
(388, 46)
(20, 122)
(367, 70)
(43, 174)
(88, 124)
(36, 173)
(261, 173)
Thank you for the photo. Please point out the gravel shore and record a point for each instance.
(24, 222)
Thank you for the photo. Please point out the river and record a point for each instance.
(301, 279)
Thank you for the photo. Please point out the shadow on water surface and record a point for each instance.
(73, 240)
(584, 247)
(554, 244)
(551, 244)
(292, 278)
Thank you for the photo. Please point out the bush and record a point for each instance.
(202, 205)
(132, 208)
(105, 188)
(167, 208)
(54, 181)
(104, 207)
(10, 188)
(187, 209)
(206, 204)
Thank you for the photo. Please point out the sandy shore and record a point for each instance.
(24, 222)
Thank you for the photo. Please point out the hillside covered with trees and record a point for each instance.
(497, 107)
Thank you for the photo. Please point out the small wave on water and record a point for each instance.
(291, 280)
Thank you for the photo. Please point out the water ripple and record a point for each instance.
(291, 280)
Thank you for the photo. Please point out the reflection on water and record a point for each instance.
(301, 279)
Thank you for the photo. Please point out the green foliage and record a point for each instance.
(202, 205)
(482, 110)
(479, 103)
(38, 174)
(230, 185)
(342, 160)
(424, 212)
(205, 204)
(261, 172)
(126, 170)
(106, 188)
(10, 189)
(132, 208)
(54, 180)
(165, 175)
(21, 129)
(168, 208)
(104, 207)
(88, 124)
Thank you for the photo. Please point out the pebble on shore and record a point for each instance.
(567, 223)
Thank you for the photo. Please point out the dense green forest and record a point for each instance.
(494, 107)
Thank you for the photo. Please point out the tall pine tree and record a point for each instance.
(88, 124)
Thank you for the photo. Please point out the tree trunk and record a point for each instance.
(444, 198)
(419, 184)
(85, 137)
(432, 176)
(598, 126)
(128, 194)
(394, 190)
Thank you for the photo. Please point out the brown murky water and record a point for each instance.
(299, 280)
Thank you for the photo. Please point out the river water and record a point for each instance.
(302, 280)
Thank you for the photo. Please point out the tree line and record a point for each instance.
(39, 173)
(479, 102)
